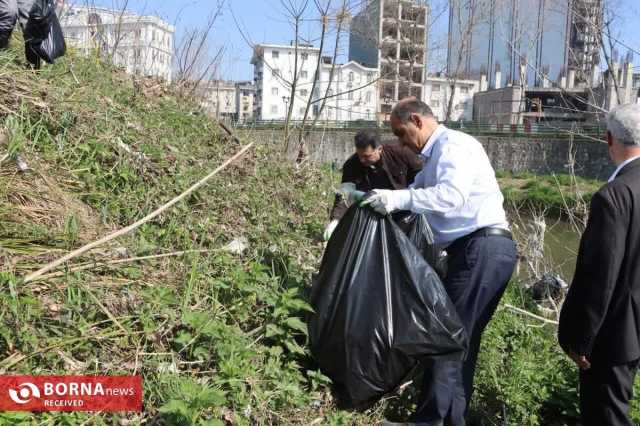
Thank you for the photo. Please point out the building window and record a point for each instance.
(351, 76)
(275, 72)
(274, 91)
(302, 110)
(368, 97)
(305, 56)
(350, 96)
(275, 54)
(435, 88)
(369, 77)
(464, 90)
(304, 74)
(274, 109)
(304, 92)
(435, 103)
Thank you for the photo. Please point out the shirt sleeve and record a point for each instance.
(455, 174)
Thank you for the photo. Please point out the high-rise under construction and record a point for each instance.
(392, 35)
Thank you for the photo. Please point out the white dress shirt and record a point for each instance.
(456, 189)
(621, 166)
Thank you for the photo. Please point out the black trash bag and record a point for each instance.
(44, 39)
(378, 309)
(416, 227)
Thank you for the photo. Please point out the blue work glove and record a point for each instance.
(349, 194)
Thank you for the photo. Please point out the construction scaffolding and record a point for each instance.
(392, 36)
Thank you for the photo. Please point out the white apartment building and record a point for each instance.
(352, 95)
(218, 98)
(273, 76)
(438, 93)
(245, 96)
(140, 44)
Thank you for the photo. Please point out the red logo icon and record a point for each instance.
(70, 393)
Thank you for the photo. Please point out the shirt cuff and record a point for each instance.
(402, 199)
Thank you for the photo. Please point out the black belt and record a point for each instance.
(490, 232)
(482, 232)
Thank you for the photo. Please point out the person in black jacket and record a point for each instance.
(600, 319)
(374, 166)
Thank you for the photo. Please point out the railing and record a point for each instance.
(564, 131)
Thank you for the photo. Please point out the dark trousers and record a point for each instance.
(479, 270)
(605, 392)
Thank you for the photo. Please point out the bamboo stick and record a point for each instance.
(147, 218)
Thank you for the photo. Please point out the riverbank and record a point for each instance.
(555, 194)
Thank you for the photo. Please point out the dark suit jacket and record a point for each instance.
(600, 317)
(400, 164)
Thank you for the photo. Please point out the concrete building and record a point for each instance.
(438, 94)
(355, 87)
(566, 101)
(218, 99)
(391, 35)
(273, 76)
(245, 95)
(140, 44)
(525, 40)
(584, 44)
(618, 86)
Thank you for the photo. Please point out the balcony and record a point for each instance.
(412, 54)
(389, 30)
(388, 71)
(390, 9)
(413, 34)
(413, 13)
(413, 74)
(389, 51)
(387, 91)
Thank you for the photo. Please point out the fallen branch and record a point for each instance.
(137, 224)
(529, 314)
(98, 264)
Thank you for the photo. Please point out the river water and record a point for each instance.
(561, 241)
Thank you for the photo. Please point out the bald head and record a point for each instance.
(413, 123)
(408, 106)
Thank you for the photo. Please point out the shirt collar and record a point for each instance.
(621, 166)
(426, 151)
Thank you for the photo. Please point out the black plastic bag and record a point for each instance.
(43, 34)
(416, 227)
(379, 309)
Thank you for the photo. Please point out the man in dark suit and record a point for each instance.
(600, 319)
(373, 166)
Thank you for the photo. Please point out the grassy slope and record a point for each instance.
(218, 337)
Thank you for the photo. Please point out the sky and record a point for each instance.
(264, 21)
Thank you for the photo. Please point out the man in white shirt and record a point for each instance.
(458, 191)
